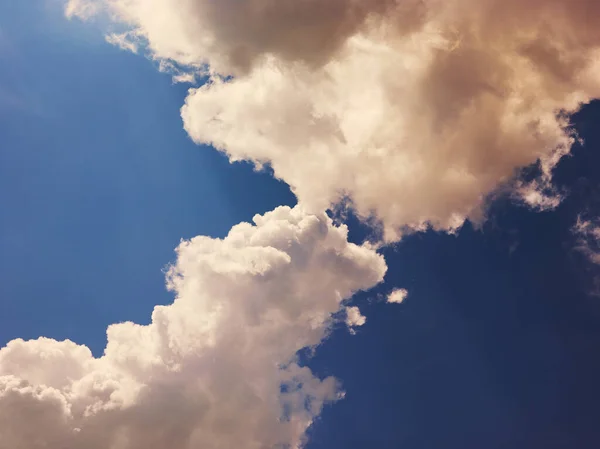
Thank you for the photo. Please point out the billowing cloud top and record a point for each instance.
(416, 110)
(216, 369)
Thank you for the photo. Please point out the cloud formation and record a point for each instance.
(217, 368)
(354, 318)
(415, 110)
(397, 296)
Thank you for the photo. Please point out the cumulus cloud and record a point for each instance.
(397, 296)
(216, 369)
(414, 110)
(354, 318)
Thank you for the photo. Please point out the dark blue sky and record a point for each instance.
(497, 345)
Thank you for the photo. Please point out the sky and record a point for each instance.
(91, 165)
(103, 174)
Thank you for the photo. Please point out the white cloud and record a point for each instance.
(125, 41)
(415, 110)
(354, 318)
(397, 296)
(216, 369)
(189, 78)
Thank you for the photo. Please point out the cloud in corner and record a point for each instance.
(217, 368)
(416, 111)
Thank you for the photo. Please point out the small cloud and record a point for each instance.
(397, 296)
(354, 318)
(539, 195)
(125, 41)
(184, 78)
(179, 74)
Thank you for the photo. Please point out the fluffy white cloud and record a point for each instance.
(354, 318)
(417, 110)
(216, 369)
(397, 296)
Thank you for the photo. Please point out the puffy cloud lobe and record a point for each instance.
(416, 110)
(354, 318)
(397, 296)
(216, 369)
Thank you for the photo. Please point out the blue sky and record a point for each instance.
(496, 346)
(92, 170)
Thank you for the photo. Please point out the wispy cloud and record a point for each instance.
(587, 233)
(125, 41)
